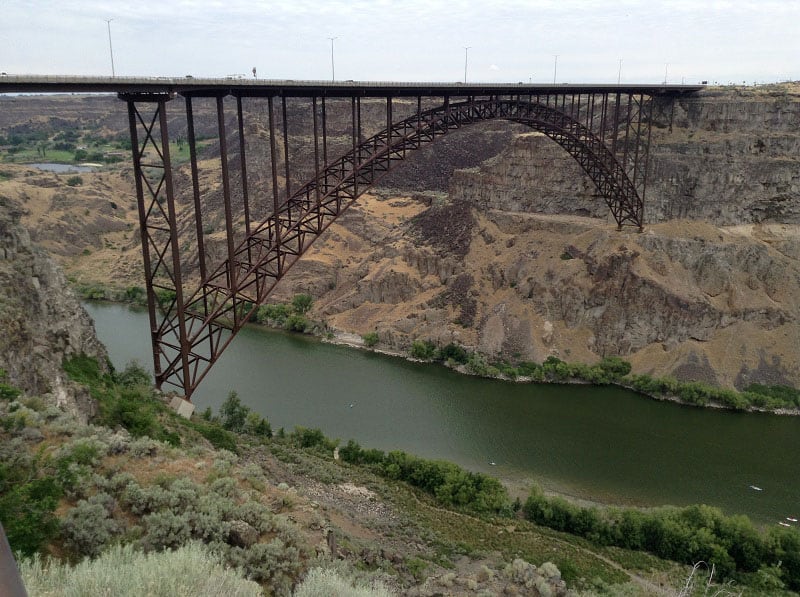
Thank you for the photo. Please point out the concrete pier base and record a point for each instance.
(181, 406)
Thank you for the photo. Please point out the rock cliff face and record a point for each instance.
(728, 158)
(42, 322)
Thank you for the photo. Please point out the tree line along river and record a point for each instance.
(604, 444)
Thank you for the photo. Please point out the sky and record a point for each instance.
(680, 41)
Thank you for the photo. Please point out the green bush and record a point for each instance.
(447, 482)
(275, 314)
(29, 495)
(297, 323)
(370, 339)
(217, 436)
(74, 181)
(615, 367)
(423, 349)
(134, 375)
(453, 352)
(477, 364)
(7, 391)
(310, 438)
(257, 425)
(301, 303)
(688, 535)
(136, 295)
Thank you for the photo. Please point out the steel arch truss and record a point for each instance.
(607, 133)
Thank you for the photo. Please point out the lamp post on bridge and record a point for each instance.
(619, 72)
(555, 68)
(466, 57)
(110, 47)
(333, 70)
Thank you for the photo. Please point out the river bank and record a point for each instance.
(704, 394)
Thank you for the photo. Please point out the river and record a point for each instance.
(603, 444)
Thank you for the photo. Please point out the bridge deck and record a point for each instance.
(265, 87)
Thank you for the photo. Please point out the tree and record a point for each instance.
(233, 413)
(302, 303)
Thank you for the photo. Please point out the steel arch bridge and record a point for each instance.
(605, 128)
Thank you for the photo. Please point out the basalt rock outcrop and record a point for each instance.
(726, 157)
(41, 320)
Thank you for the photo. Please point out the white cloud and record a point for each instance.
(413, 39)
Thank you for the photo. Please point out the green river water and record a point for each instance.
(597, 443)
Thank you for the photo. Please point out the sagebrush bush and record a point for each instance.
(324, 582)
(88, 527)
(146, 500)
(166, 530)
(123, 572)
(276, 564)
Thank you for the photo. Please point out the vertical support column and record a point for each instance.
(389, 122)
(198, 211)
(243, 160)
(356, 127)
(646, 170)
(318, 175)
(324, 135)
(159, 233)
(285, 126)
(276, 222)
(226, 197)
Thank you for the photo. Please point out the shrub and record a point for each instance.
(423, 349)
(7, 392)
(301, 303)
(276, 564)
(257, 425)
(29, 495)
(134, 375)
(309, 438)
(687, 535)
(165, 529)
(370, 339)
(322, 582)
(297, 323)
(453, 352)
(276, 314)
(189, 570)
(477, 364)
(615, 367)
(217, 436)
(88, 527)
(74, 181)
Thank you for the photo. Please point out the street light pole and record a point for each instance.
(466, 57)
(555, 68)
(333, 70)
(110, 47)
(619, 73)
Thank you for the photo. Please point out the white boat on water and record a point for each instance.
(790, 519)
(756, 488)
(783, 524)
